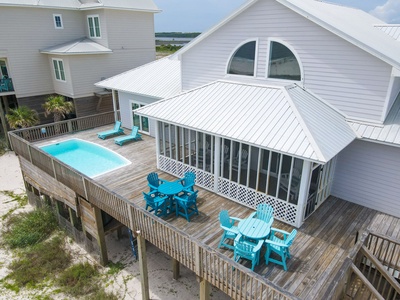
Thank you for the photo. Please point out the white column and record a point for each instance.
(114, 97)
(217, 162)
(303, 192)
(158, 143)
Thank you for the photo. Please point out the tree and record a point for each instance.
(22, 117)
(57, 105)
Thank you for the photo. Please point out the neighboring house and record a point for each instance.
(64, 47)
(284, 102)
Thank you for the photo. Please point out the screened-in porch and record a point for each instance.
(246, 173)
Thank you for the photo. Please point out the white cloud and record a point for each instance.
(388, 12)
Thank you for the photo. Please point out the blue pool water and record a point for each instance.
(88, 158)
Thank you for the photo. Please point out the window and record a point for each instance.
(59, 69)
(243, 60)
(283, 64)
(139, 121)
(58, 21)
(94, 26)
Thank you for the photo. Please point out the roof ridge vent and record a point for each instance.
(88, 1)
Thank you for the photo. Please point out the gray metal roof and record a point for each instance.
(388, 133)
(139, 5)
(159, 79)
(289, 119)
(81, 46)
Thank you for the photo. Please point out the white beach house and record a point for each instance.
(284, 102)
(64, 47)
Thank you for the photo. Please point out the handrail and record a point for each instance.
(234, 279)
(365, 283)
(382, 270)
(386, 250)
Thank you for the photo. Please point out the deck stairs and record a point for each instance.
(374, 273)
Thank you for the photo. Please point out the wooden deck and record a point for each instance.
(322, 243)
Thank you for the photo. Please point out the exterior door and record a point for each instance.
(139, 121)
(312, 200)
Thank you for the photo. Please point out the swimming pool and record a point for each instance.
(86, 157)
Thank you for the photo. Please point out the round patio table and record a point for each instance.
(170, 188)
(254, 228)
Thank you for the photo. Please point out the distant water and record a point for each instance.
(172, 41)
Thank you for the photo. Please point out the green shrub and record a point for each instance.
(79, 280)
(39, 262)
(27, 229)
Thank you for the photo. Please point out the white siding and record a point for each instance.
(125, 109)
(347, 77)
(394, 93)
(22, 36)
(130, 30)
(369, 174)
(86, 70)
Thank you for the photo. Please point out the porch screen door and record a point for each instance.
(313, 192)
(139, 121)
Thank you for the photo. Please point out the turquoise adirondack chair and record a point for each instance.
(186, 204)
(264, 212)
(154, 182)
(227, 223)
(156, 203)
(134, 136)
(279, 246)
(247, 250)
(188, 181)
(115, 131)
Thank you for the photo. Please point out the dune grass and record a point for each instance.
(27, 229)
(42, 261)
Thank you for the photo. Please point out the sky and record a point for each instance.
(200, 15)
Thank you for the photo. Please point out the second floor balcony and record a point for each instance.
(6, 85)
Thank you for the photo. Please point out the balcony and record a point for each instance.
(321, 253)
(6, 85)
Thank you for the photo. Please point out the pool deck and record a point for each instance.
(322, 243)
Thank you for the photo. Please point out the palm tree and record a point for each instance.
(22, 117)
(57, 105)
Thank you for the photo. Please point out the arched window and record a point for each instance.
(283, 63)
(242, 61)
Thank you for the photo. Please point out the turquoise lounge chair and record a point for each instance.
(134, 136)
(117, 130)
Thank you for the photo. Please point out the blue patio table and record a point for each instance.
(170, 188)
(254, 228)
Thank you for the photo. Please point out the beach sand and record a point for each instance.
(126, 283)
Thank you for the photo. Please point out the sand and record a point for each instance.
(126, 283)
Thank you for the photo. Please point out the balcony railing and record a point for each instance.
(6, 85)
(226, 274)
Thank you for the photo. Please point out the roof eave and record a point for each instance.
(75, 53)
(340, 33)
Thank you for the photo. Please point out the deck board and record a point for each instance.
(319, 249)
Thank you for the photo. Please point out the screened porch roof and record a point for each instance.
(285, 119)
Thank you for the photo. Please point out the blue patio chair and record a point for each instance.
(188, 181)
(115, 131)
(247, 250)
(264, 212)
(134, 136)
(156, 203)
(186, 204)
(154, 182)
(279, 246)
(227, 223)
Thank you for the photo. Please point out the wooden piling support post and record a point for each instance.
(143, 265)
(204, 289)
(175, 268)
(101, 239)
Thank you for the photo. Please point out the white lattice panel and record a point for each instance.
(283, 211)
(178, 169)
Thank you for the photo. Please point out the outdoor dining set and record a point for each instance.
(246, 237)
(168, 197)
